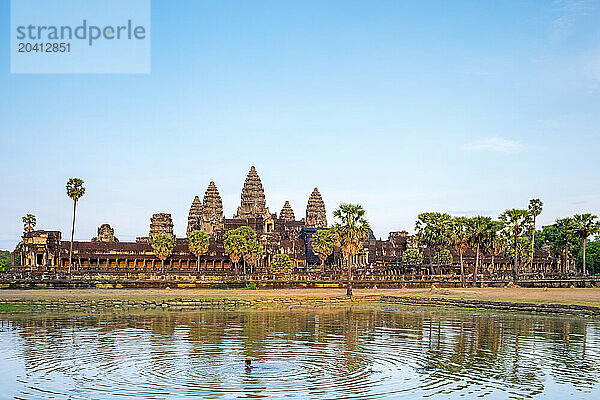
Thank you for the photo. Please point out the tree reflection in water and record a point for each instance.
(338, 352)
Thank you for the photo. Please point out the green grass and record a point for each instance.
(14, 307)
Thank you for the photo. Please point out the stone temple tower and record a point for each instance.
(315, 211)
(287, 214)
(253, 198)
(212, 210)
(195, 215)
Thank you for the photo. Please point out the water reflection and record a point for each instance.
(320, 353)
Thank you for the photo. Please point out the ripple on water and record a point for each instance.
(333, 354)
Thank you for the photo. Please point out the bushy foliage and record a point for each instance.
(162, 245)
(281, 262)
(412, 255)
(445, 256)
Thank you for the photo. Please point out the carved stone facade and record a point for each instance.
(195, 215)
(287, 214)
(106, 234)
(161, 223)
(316, 216)
(212, 210)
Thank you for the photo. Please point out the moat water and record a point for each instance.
(365, 352)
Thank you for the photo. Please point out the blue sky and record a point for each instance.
(466, 107)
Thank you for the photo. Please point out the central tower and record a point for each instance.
(253, 205)
(253, 202)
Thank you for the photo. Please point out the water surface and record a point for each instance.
(324, 353)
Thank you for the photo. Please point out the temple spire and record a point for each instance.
(287, 214)
(315, 211)
(212, 210)
(253, 197)
(195, 215)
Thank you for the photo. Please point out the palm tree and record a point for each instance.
(585, 226)
(162, 245)
(351, 232)
(496, 242)
(565, 234)
(28, 222)
(252, 252)
(234, 244)
(198, 244)
(459, 239)
(478, 232)
(535, 208)
(432, 231)
(516, 222)
(322, 245)
(75, 191)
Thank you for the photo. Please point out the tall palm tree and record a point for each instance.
(432, 231)
(516, 222)
(585, 225)
(29, 222)
(162, 245)
(479, 228)
(351, 231)
(75, 191)
(234, 244)
(565, 235)
(252, 252)
(535, 208)
(496, 242)
(198, 244)
(322, 245)
(459, 239)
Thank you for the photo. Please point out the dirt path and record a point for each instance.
(589, 296)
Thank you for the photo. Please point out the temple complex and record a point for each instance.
(45, 251)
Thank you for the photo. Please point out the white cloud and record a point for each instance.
(496, 144)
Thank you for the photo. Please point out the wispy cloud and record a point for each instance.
(570, 11)
(496, 144)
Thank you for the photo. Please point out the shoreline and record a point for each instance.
(559, 301)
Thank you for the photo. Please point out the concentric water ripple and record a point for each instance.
(338, 353)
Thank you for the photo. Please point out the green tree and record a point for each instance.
(592, 256)
(5, 260)
(75, 191)
(566, 239)
(496, 242)
(322, 244)
(281, 263)
(351, 232)
(584, 226)
(29, 222)
(412, 256)
(445, 256)
(524, 249)
(162, 245)
(234, 244)
(460, 239)
(432, 230)
(198, 244)
(479, 230)
(252, 252)
(516, 223)
(535, 209)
